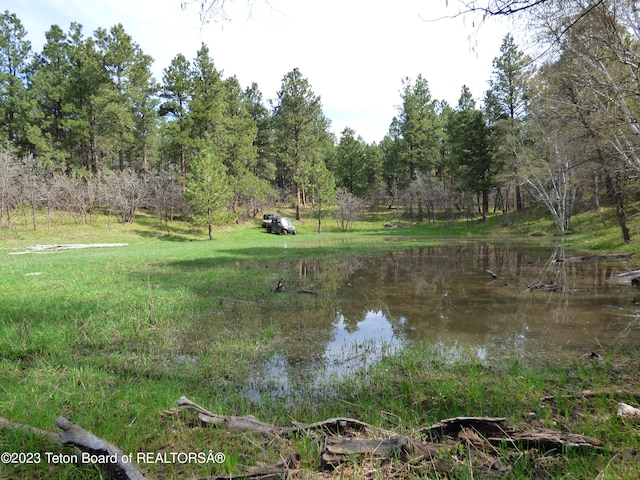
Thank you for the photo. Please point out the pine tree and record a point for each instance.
(420, 127)
(16, 106)
(471, 160)
(351, 163)
(300, 135)
(208, 192)
(177, 91)
(507, 101)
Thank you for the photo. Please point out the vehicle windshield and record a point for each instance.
(285, 222)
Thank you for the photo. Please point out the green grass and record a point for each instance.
(112, 337)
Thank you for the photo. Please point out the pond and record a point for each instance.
(541, 306)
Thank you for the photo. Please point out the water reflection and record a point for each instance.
(443, 297)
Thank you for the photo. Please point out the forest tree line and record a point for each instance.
(85, 125)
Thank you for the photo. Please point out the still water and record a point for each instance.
(443, 298)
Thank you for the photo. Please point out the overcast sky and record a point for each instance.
(353, 52)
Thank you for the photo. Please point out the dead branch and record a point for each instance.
(495, 276)
(337, 449)
(11, 425)
(109, 456)
(628, 412)
(547, 441)
(450, 427)
(249, 423)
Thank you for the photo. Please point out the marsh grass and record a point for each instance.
(112, 337)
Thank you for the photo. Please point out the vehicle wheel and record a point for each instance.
(284, 231)
(268, 229)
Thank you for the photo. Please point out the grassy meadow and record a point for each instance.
(112, 337)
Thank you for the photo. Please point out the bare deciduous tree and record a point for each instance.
(123, 192)
(9, 189)
(350, 208)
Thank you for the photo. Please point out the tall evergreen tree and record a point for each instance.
(85, 109)
(507, 102)
(208, 192)
(264, 166)
(351, 163)
(50, 86)
(176, 91)
(300, 135)
(470, 155)
(206, 108)
(127, 99)
(16, 107)
(420, 127)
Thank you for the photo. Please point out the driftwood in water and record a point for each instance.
(495, 276)
(595, 258)
(630, 277)
(280, 289)
(545, 287)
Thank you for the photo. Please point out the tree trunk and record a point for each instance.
(485, 204)
(614, 191)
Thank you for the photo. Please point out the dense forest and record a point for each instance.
(85, 126)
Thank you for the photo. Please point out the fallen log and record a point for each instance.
(337, 449)
(624, 277)
(496, 433)
(451, 427)
(547, 441)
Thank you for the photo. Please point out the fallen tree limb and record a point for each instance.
(107, 456)
(11, 425)
(496, 433)
(88, 447)
(628, 412)
(450, 427)
(249, 423)
(547, 441)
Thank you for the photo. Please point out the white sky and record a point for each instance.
(353, 52)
